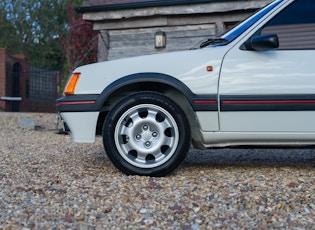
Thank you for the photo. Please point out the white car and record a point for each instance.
(255, 85)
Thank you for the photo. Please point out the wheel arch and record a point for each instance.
(154, 82)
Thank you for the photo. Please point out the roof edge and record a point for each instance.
(124, 6)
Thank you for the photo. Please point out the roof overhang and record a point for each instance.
(142, 4)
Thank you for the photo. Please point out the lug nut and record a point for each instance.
(147, 144)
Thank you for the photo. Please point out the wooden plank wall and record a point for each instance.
(135, 42)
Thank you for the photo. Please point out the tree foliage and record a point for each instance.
(8, 35)
(35, 28)
(80, 43)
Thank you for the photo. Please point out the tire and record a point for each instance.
(146, 134)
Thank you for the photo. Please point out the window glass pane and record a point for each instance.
(295, 26)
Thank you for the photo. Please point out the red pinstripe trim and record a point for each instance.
(268, 102)
(75, 102)
(205, 102)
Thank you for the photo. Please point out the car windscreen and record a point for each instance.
(240, 28)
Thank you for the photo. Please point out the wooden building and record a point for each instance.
(129, 27)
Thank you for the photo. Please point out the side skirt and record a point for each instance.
(225, 139)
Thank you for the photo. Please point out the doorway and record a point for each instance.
(16, 72)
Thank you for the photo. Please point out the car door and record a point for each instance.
(272, 90)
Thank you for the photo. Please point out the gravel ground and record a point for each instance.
(48, 182)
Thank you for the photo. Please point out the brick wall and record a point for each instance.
(2, 77)
(7, 62)
(37, 88)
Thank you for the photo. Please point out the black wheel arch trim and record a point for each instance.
(203, 102)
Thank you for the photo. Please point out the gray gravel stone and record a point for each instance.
(48, 182)
(27, 123)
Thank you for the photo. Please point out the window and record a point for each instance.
(295, 26)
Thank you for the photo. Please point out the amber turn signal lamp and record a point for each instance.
(72, 83)
(209, 68)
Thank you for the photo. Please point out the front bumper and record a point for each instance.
(82, 125)
(79, 115)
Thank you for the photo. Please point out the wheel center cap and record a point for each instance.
(146, 136)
